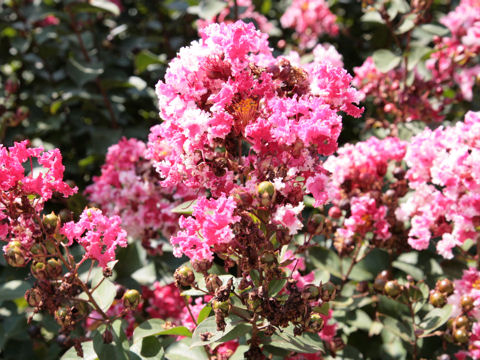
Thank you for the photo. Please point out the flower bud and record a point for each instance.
(39, 270)
(184, 276)
(50, 246)
(316, 323)
(311, 292)
(437, 299)
(107, 337)
(15, 256)
(243, 198)
(131, 299)
(460, 336)
(54, 268)
(461, 321)
(445, 286)
(33, 297)
(268, 258)
(335, 212)
(328, 291)
(266, 190)
(392, 288)
(50, 221)
(213, 282)
(381, 280)
(467, 303)
(220, 306)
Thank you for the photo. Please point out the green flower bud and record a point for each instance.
(460, 336)
(131, 299)
(184, 276)
(437, 299)
(54, 268)
(445, 286)
(392, 288)
(50, 220)
(15, 256)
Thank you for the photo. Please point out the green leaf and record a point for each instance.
(385, 60)
(144, 59)
(409, 269)
(203, 314)
(275, 286)
(407, 24)
(185, 208)
(370, 266)
(82, 72)
(398, 328)
(182, 350)
(105, 294)
(209, 326)
(306, 343)
(96, 6)
(210, 8)
(148, 349)
(435, 318)
(157, 327)
(327, 260)
(88, 352)
(417, 54)
(13, 290)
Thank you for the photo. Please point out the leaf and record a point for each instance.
(327, 260)
(145, 275)
(407, 24)
(96, 6)
(157, 327)
(185, 208)
(435, 318)
(148, 348)
(385, 60)
(409, 269)
(181, 350)
(417, 53)
(209, 326)
(144, 59)
(275, 286)
(370, 266)
(203, 314)
(210, 8)
(398, 328)
(105, 294)
(13, 290)
(88, 352)
(82, 72)
(305, 343)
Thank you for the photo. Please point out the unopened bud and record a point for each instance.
(15, 256)
(107, 337)
(392, 288)
(131, 299)
(445, 286)
(316, 323)
(266, 190)
(462, 321)
(467, 303)
(213, 282)
(184, 276)
(220, 306)
(460, 336)
(54, 268)
(33, 297)
(50, 221)
(335, 212)
(39, 270)
(437, 299)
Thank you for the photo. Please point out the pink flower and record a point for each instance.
(310, 19)
(164, 302)
(209, 229)
(287, 216)
(99, 235)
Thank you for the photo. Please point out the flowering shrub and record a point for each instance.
(293, 198)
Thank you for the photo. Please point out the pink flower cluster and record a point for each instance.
(164, 302)
(363, 164)
(310, 19)
(98, 234)
(246, 11)
(23, 195)
(207, 231)
(227, 91)
(130, 187)
(445, 176)
(468, 286)
(455, 61)
(416, 102)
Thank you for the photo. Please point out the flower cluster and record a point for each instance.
(454, 61)
(395, 97)
(23, 195)
(446, 181)
(310, 19)
(98, 234)
(130, 187)
(359, 176)
(464, 323)
(242, 10)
